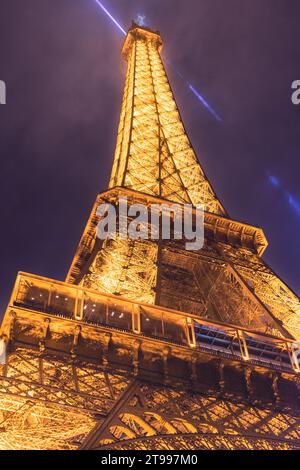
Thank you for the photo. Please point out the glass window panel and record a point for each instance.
(174, 328)
(95, 310)
(120, 316)
(32, 296)
(151, 323)
(62, 301)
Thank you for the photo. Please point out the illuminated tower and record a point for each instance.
(147, 345)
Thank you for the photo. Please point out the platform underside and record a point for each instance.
(49, 401)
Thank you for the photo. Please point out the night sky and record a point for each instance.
(61, 62)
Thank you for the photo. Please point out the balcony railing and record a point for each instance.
(74, 302)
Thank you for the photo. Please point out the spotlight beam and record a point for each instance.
(204, 102)
(111, 17)
(195, 92)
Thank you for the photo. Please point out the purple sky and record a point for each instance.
(61, 62)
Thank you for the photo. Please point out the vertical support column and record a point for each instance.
(41, 370)
(49, 296)
(191, 337)
(243, 345)
(136, 318)
(77, 332)
(79, 305)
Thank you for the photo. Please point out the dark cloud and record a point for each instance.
(61, 62)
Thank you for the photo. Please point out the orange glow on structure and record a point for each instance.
(147, 345)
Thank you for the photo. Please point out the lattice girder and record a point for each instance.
(165, 418)
(153, 152)
(52, 402)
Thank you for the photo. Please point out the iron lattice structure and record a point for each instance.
(147, 345)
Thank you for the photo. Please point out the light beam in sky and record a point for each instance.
(295, 205)
(141, 21)
(204, 102)
(111, 17)
(274, 181)
(292, 201)
(195, 92)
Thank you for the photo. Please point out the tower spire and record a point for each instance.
(153, 153)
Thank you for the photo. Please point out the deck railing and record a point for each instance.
(77, 303)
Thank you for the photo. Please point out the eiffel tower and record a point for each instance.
(147, 345)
